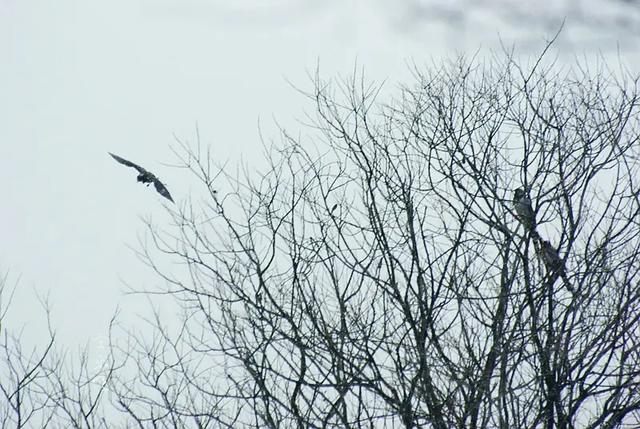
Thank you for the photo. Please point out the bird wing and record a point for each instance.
(162, 190)
(525, 208)
(128, 163)
(525, 212)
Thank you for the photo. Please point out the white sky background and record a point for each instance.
(80, 78)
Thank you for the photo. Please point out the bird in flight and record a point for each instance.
(145, 177)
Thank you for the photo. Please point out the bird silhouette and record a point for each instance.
(524, 211)
(550, 257)
(145, 177)
(553, 262)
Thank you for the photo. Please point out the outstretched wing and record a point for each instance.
(128, 163)
(162, 190)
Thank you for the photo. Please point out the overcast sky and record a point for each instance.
(80, 78)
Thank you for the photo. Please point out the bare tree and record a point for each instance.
(42, 387)
(21, 401)
(382, 270)
(377, 273)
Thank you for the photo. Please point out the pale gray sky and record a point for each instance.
(80, 78)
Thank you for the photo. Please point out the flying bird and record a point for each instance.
(524, 211)
(145, 177)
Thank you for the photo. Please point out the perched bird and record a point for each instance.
(524, 211)
(550, 257)
(145, 177)
(553, 262)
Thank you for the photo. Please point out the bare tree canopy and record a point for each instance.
(381, 273)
